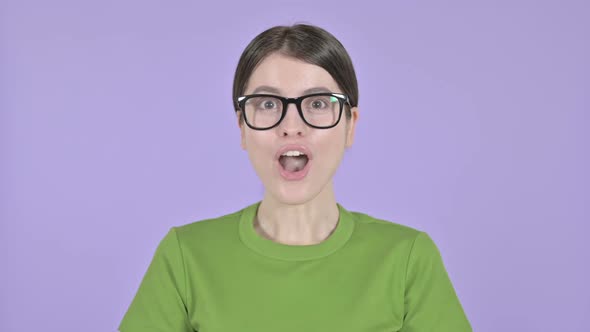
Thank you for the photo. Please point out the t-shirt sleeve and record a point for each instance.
(160, 302)
(431, 303)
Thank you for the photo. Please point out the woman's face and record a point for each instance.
(283, 177)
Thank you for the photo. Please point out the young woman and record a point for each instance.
(297, 260)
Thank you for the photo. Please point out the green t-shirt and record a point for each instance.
(369, 275)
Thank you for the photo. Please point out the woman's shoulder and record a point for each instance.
(212, 226)
(380, 227)
(389, 236)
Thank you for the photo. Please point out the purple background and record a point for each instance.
(117, 123)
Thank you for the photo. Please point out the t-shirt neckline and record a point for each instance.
(277, 250)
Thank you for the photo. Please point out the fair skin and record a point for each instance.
(300, 212)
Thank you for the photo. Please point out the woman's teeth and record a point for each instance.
(293, 153)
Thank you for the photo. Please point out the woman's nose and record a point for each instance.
(292, 124)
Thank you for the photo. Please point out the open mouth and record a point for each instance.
(293, 161)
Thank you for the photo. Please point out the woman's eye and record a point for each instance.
(318, 103)
(268, 104)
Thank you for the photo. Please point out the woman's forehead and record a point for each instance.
(282, 74)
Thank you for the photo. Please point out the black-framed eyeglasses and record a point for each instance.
(318, 110)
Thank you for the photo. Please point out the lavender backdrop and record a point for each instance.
(116, 124)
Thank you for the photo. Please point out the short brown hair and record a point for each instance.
(305, 42)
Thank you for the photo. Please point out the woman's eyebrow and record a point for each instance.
(319, 89)
(270, 89)
(266, 88)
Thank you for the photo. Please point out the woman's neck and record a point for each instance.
(302, 224)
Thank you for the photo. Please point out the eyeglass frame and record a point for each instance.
(342, 99)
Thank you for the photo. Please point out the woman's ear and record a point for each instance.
(242, 126)
(351, 126)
